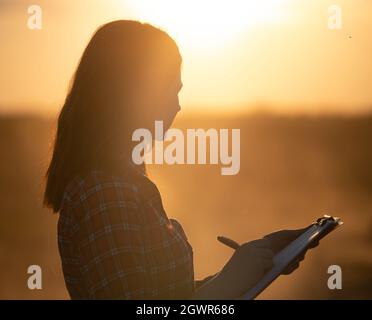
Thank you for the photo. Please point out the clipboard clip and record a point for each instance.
(315, 232)
(323, 220)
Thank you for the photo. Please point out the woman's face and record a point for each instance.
(159, 100)
(170, 102)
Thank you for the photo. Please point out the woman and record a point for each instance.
(114, 237)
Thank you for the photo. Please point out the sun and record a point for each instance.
(205, 23)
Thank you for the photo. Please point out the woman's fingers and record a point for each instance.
(301, 257)
(280, 239)
(314, 244)
(291, 268)
(266, 248)
(266, 264)
(263, 253)
(260, 243)
(260, 252)
(265, 257)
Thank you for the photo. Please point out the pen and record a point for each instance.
(228, 242)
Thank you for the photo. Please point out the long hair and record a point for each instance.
(103, 107)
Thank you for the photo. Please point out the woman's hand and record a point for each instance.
(280, 239)
(246, 267)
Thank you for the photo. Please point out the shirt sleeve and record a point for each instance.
(110, 244)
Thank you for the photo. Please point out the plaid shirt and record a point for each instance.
(116, 241)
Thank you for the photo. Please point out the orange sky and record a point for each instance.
(274, 53)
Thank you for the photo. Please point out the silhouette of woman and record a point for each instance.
(115, 239)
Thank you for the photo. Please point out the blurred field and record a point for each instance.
(293, 169)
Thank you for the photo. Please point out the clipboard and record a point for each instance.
(284, 258)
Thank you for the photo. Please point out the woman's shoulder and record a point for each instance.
(95, 182)
(97, 194)
(99, 187)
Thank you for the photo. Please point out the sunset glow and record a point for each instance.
(206, 23)
(237, 55)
